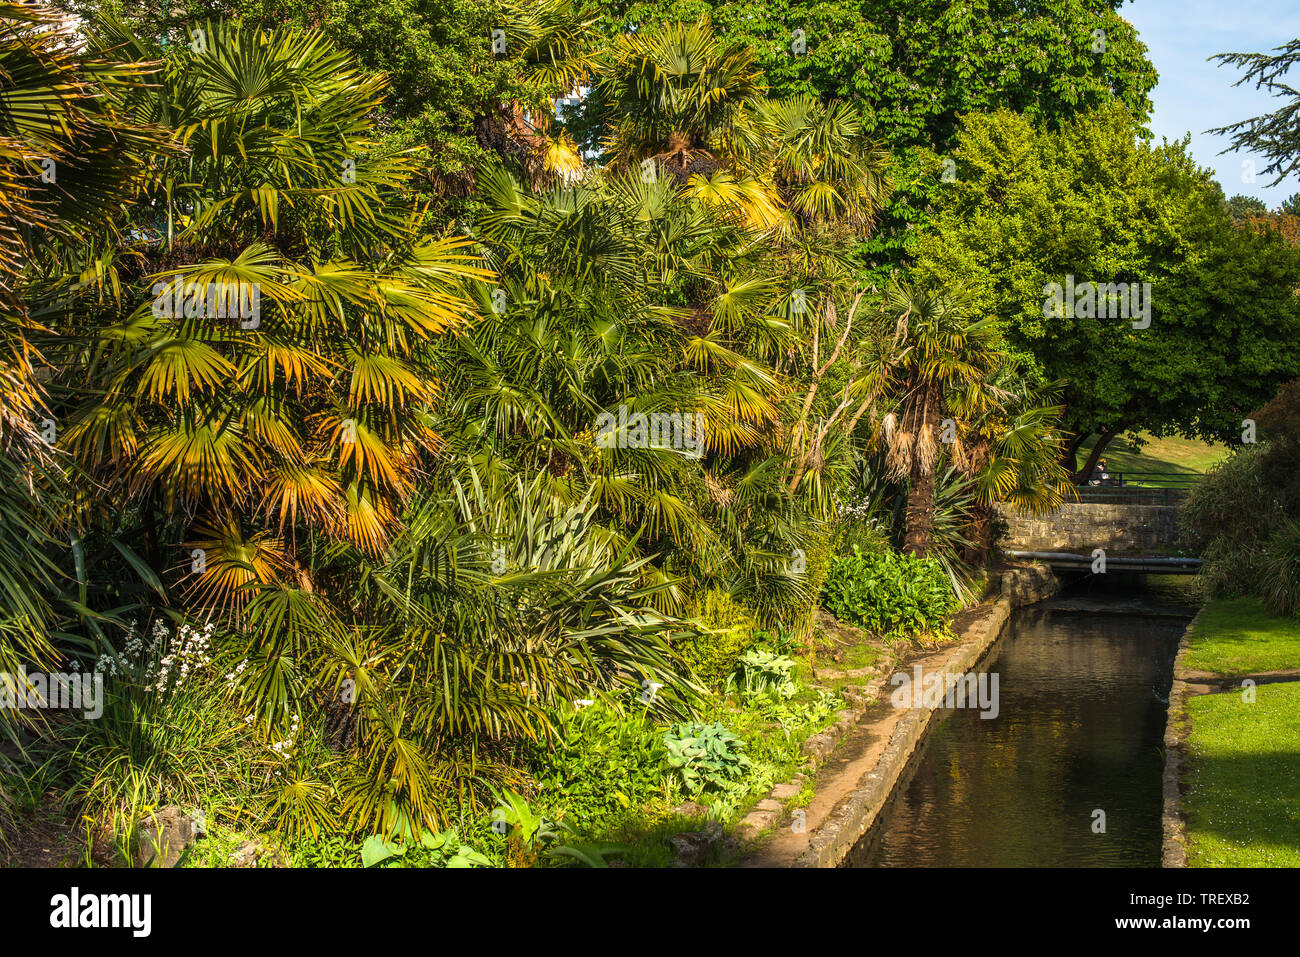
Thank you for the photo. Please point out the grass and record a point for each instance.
(1242, 805)
(1236, 636)
(1168, 456)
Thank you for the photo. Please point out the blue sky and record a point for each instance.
(1194, 95)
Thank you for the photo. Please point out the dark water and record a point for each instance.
(1082, 684)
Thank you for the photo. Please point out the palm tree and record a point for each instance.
(824, 168)
(679, 95)
(553, 41)
(831, 181)
(68, 160)
(308, 409)
(940, 352)
(1011, 447)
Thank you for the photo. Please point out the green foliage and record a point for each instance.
(818, 550)
(763, 674)
(728, 630)
(1279, 418)
(1243, 207)
(706, 756)
(168, 734)
(525, 824)
(773, 731)
(1224, 324)
(1280, 581)
(890, 593)
(589, 855)
(530, 832)
(444, 849)
(601, 765)
(918, 66)
(913, 68)
(472, 840)
(57, 115)
(437, 53)
(1243, 517)
(404, 612)
(1273, 135)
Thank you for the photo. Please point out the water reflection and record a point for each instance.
(1080, 728)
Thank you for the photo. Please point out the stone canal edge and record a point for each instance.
(1173, 851)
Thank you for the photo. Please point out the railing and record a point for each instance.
(1144, 488)
(1144, 480)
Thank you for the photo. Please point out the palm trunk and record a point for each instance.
(980, 533)
(920, 512)
(920, 493)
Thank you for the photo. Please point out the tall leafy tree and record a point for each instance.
(1091, 205)
(1243, 207)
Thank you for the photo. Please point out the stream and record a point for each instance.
(1083, 681)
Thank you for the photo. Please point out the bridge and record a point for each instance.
(1133, 522)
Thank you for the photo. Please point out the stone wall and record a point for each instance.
(1029, 584)
(1082, 526)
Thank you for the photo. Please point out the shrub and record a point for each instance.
(889, 593)
(727, 631)
(1241, 515)
(707, 756)
(1280, 582)
(764, 674)
(601, 764)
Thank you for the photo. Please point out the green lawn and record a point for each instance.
(1237, 636)
(1169, 456)
(1242, 802)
